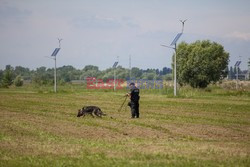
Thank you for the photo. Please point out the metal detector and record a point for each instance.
(122, 104)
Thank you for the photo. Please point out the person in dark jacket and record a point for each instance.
(134, 100)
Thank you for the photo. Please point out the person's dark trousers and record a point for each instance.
(135, 109)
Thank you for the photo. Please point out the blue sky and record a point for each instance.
(98, 31)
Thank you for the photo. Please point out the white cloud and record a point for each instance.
(96, 22)
(239, 35)
(11, 14)
(95, 32)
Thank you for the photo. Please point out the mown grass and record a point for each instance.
(198, 128)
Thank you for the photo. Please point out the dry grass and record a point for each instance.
(231, 85)
(41, 129)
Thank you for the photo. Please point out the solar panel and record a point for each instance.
(115, 64)
(176, 39)
(237, 64)
(55, 51)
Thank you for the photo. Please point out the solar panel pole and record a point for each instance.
(114, 66)
(55, 76)
(114, 78)
(175, 77)
(237, 77)
(175, 56)
(237, 66)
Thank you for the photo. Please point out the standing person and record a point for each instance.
(134, 100)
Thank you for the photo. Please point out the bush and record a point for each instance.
(18, 81)
(7, 79)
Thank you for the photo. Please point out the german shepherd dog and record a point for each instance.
(92, 110)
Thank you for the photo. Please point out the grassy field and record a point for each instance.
(199, 128)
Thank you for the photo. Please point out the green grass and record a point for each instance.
(208, 127)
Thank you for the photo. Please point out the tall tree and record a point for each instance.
(8, 76)
(166, 70)
(1, 75)
(136, 72)
(201, 63)
(42, 76)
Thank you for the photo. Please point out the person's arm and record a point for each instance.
(129, 94)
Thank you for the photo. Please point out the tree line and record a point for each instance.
(198, 64)
(66, 74)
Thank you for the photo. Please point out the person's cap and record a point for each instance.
(131, 84)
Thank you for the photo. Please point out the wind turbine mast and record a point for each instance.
(59, 41)
(183, 22)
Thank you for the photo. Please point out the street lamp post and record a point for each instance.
(55, 78)
(55, 88)
(237, 66)
(114, 67)
(175, 57)
(175, 76)
(54, 55)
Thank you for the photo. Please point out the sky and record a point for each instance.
(100, 32)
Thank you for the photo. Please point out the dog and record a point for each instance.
(92, 110)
